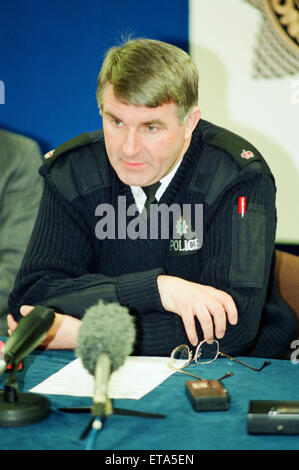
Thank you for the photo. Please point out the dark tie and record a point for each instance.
(150, 192)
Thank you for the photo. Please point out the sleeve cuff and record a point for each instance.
(139, 291)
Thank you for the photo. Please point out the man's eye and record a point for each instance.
(151, 128)
(117, 122)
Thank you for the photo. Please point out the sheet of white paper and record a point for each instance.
(137, 377)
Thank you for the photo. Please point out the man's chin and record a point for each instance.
(133, 180)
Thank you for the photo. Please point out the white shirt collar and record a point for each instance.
(139, 194)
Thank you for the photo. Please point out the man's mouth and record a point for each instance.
(133, 165)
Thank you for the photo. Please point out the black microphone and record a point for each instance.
(105, 339)
(20, 409)
(30, 332)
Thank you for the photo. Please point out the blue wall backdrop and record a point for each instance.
(51, 52)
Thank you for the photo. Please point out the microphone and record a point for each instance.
(20, 409)
(105, 339)
(30, 332)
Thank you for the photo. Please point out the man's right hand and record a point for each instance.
(62, 334)
(212, 307)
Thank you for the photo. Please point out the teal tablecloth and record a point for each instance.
(182, 429)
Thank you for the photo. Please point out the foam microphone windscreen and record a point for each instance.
(107, 328)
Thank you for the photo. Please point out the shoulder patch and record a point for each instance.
(242, 151)
(79, 141)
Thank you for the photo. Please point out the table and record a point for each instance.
(182, 429)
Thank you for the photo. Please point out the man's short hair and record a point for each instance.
(150, 73)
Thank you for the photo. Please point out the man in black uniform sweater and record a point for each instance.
(212, 276)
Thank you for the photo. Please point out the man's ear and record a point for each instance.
(192, 121)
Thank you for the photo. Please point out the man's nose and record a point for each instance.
(132, 143)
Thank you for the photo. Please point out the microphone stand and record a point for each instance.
(109, 409)
(20, 409)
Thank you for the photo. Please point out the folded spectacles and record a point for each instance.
(205, 353)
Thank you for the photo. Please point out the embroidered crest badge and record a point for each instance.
(187, 241)
(247, 154)
(181, 226)
(49, 154)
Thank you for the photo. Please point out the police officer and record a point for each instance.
(154, 138)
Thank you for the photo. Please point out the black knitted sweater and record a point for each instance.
(66, 265)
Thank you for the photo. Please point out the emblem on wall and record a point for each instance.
(277, 44)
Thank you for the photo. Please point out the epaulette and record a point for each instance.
(225, 158)
(79, 141)
(242, 151)
(78, 166)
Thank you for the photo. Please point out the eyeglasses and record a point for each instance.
(205, 353)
